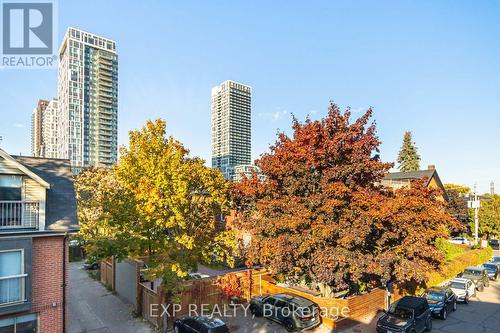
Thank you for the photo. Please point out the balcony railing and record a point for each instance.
(12, 289)
(19, 215)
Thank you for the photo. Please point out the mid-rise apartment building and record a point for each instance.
(231, 126)
(88, 99)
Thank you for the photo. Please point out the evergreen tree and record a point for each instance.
(408, 158)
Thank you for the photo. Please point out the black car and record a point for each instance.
(441, 300)
(294, 312)
(409, 315)
(200, 325)
(492, 270)
(495, 245)
(92, 263)
(478, 275)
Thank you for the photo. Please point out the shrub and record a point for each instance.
(449, 250)
(458, 264)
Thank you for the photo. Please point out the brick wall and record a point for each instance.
(47, 282)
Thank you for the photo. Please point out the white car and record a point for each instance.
(459, 240)
(198, 276)
(463, 288)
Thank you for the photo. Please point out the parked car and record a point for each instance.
(492, 270)
(478, 275)
(459, 240)
(464, 289)
(495, 260)
(294, 312)
(409, 314)
(441, 300)
(91, 263)
(198, 276)
(495, 244)
(200, 325)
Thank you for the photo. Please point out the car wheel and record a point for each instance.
(428, 326)
(254, 310)
(290, 327)
(455, 305)
(444, 314)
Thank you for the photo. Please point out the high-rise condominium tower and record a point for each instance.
(36, 127)
(231, 126)
(50, 130)
(88, 99)
(44, 130)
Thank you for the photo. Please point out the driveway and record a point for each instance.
(93, 309)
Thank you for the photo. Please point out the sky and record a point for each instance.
(431, 67)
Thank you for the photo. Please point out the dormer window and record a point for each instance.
(10, 187)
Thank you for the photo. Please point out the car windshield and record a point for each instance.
(496, 259)
(400, 312)
(473, 272)
(490, 267)
(434, 296)
(457, 285)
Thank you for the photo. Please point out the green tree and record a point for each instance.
(408, 158)
(177, 200)
(489, 217)
(157, 202)
(106, 213)
(463, 190)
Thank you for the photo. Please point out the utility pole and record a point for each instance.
(475, 204)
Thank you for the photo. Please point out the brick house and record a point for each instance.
(37, 213)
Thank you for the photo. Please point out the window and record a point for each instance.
(21, 324)
(10, 188)
(12, 277)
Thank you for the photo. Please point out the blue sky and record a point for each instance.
(432, 67)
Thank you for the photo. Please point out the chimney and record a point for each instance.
(431, 167)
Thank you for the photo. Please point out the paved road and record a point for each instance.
(93, 309)
(481, 315)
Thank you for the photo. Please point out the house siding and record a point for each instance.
(7, 167)
(33, 191)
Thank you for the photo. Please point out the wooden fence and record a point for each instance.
(209, 291)
(150, 304)
(108, 272)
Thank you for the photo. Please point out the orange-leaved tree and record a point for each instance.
(320, 216)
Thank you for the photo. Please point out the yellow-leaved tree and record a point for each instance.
(169, 205)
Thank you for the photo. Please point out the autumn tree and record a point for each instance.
(106, 213)
(408, 158)
(157, 202)
(457, 202)
(321, 217)
(489, 216)
(177, 199)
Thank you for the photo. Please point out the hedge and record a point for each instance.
(456, 266)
